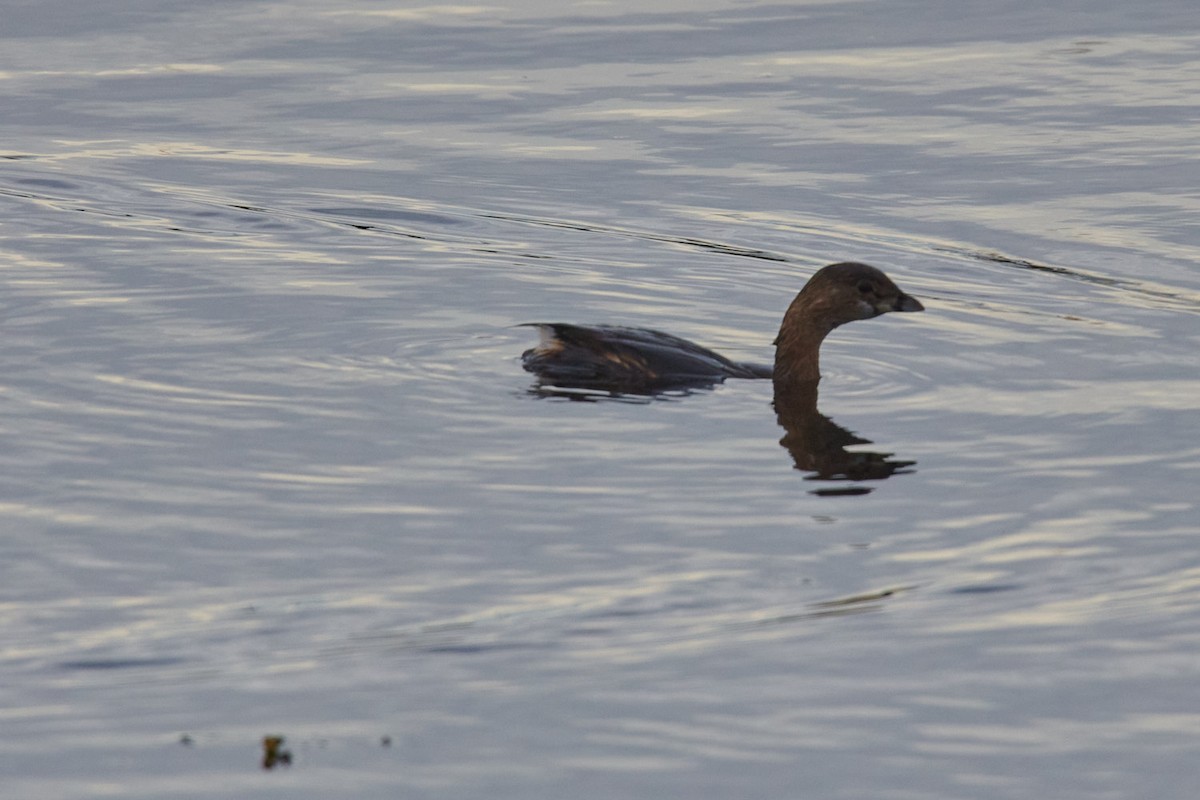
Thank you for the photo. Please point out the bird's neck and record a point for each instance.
(798, 346)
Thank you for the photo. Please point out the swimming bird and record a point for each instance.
(644, 361)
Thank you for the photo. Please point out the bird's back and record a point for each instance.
(628, 359)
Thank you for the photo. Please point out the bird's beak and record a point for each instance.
(907, 303)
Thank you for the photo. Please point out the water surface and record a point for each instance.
(271, 465)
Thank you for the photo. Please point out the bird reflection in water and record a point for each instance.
(638, 364)
(818, 445)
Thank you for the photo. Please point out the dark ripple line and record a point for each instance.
(1180, 298)
(686, 241)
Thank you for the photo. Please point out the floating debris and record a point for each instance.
(273, 753)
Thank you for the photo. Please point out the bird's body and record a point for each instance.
(645, 361)
(636, 360)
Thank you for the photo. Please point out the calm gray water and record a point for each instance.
(271, 465)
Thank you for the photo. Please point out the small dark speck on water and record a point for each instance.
(848, 491)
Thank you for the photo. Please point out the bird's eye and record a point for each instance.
(865, 287)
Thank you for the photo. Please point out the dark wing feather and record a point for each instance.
(628, 359)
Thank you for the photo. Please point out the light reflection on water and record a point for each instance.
(271, 464)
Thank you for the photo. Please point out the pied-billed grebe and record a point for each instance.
(642, 361)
